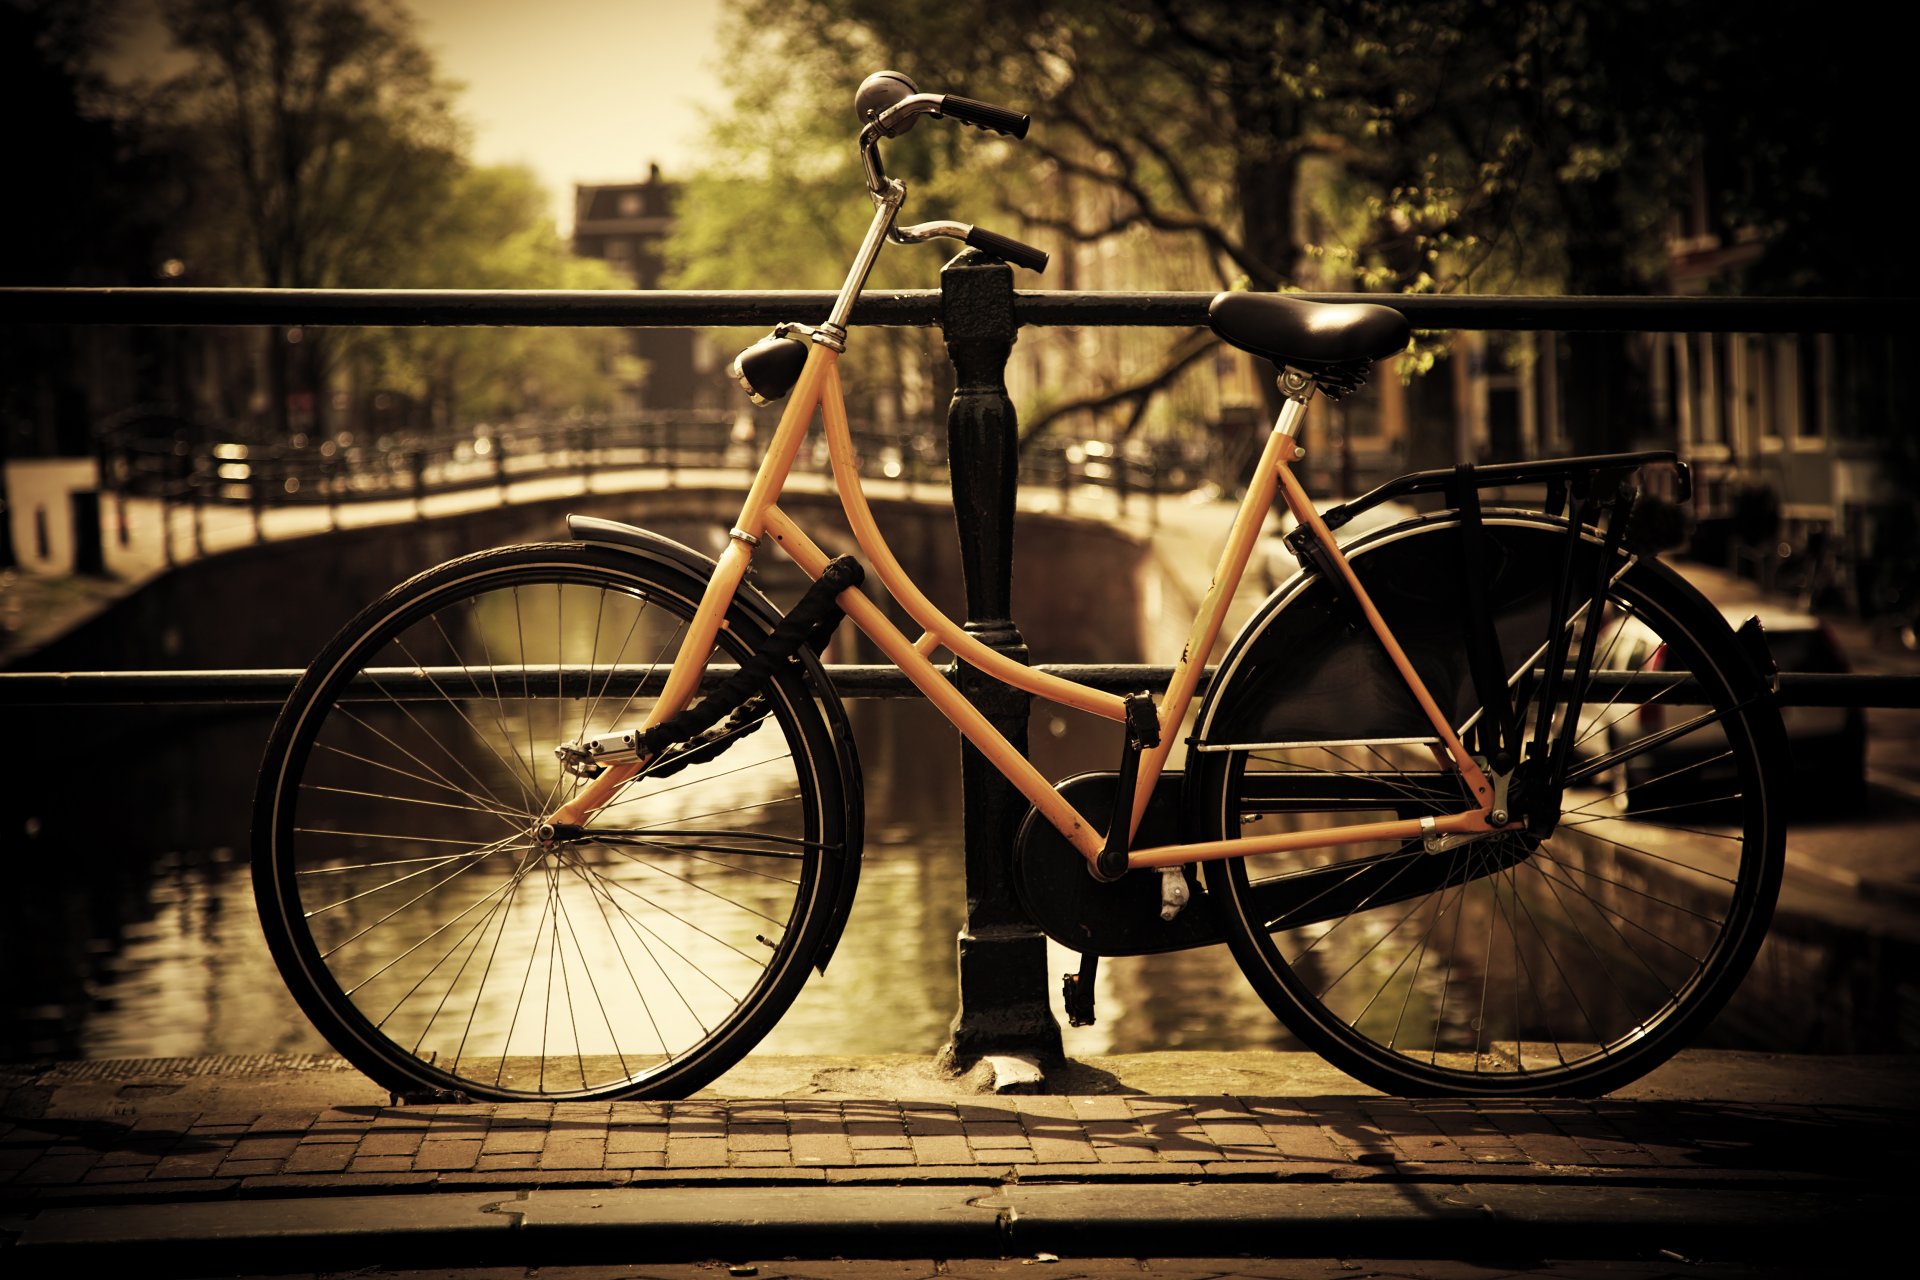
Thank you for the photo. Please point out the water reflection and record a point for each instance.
(131, 931)
(137, 935)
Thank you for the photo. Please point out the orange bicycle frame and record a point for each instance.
(818, 389)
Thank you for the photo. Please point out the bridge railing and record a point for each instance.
(1003, 985)
(179, 472)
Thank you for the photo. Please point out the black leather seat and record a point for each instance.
(1307, 335)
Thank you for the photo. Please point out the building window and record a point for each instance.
(1813, 352)
(630, 204)
(1714, 399)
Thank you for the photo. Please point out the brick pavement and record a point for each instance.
(872, 1141)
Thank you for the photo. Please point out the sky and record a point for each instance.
(576, 90)
(579, 90)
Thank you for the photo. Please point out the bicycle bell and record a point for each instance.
(768, 369)
(879, 91)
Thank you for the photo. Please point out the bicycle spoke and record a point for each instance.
(372, 925)
(1609, 914)
(482, 800)
(409, 951)
(477, 625)
(519, 766)
(481, 788)
(604, 895)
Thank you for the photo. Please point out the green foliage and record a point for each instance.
(1499, 146)
(782, 202)
(492, 231)
(320, 137)
(324, 151)
(1430, 145)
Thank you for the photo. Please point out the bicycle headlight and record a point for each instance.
(881, 90)
(768, 369)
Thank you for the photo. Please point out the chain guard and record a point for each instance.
(1120, 917)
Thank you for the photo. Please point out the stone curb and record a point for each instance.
(549, 1227)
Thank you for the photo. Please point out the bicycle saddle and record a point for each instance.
(1307, 335)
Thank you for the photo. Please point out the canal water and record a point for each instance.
(131, 931)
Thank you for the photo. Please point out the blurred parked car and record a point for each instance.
(1827, 745)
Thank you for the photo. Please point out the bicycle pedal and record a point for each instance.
(1077, 996)
(589, 759)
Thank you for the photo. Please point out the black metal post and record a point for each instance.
(257, 497)
(1002, 955)
(9, 558)
(89, 555)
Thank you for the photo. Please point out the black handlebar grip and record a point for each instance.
(985, 115)
(1006, 249)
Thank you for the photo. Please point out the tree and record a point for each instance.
(326, 153)
(1423, 145)
(92, 216)
(326, 125)
(1199, 121)
(493, 232)
(88, 197)
(320, 143)
(781, 203)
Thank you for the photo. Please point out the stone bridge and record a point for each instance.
(270, 599)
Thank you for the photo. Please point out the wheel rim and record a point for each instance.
(1516, 964)
(442, 938)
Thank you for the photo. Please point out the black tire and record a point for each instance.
(1561, 961)
(436, 943)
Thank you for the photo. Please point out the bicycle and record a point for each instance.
(1487, 802)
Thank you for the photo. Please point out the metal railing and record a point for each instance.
(260, 477)
(270, 686)
(1004, 1006)
(694, 309)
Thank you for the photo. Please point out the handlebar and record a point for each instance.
(984, 115)
(888, 103)
(1007, 248)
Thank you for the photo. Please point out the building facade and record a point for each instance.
(626, 224)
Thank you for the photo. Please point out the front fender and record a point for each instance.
(649, 545)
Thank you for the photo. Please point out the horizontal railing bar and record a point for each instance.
(272, 685)
(1848, 689)
(1512, 313)
(601, 308)
(564, 308)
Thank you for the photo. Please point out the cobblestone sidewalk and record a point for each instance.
(881, 1141)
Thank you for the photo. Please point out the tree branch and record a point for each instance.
(1185, 350)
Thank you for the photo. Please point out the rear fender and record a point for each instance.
(1301, 663)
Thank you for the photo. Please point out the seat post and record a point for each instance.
(1298, 388)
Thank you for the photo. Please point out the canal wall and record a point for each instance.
(1077, 593)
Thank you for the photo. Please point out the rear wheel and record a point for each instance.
(429, 933)
(1570, 957)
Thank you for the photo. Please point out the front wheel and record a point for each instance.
(430, 934)
(1568, 958)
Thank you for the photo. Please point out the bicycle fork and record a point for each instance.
(684, 680)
